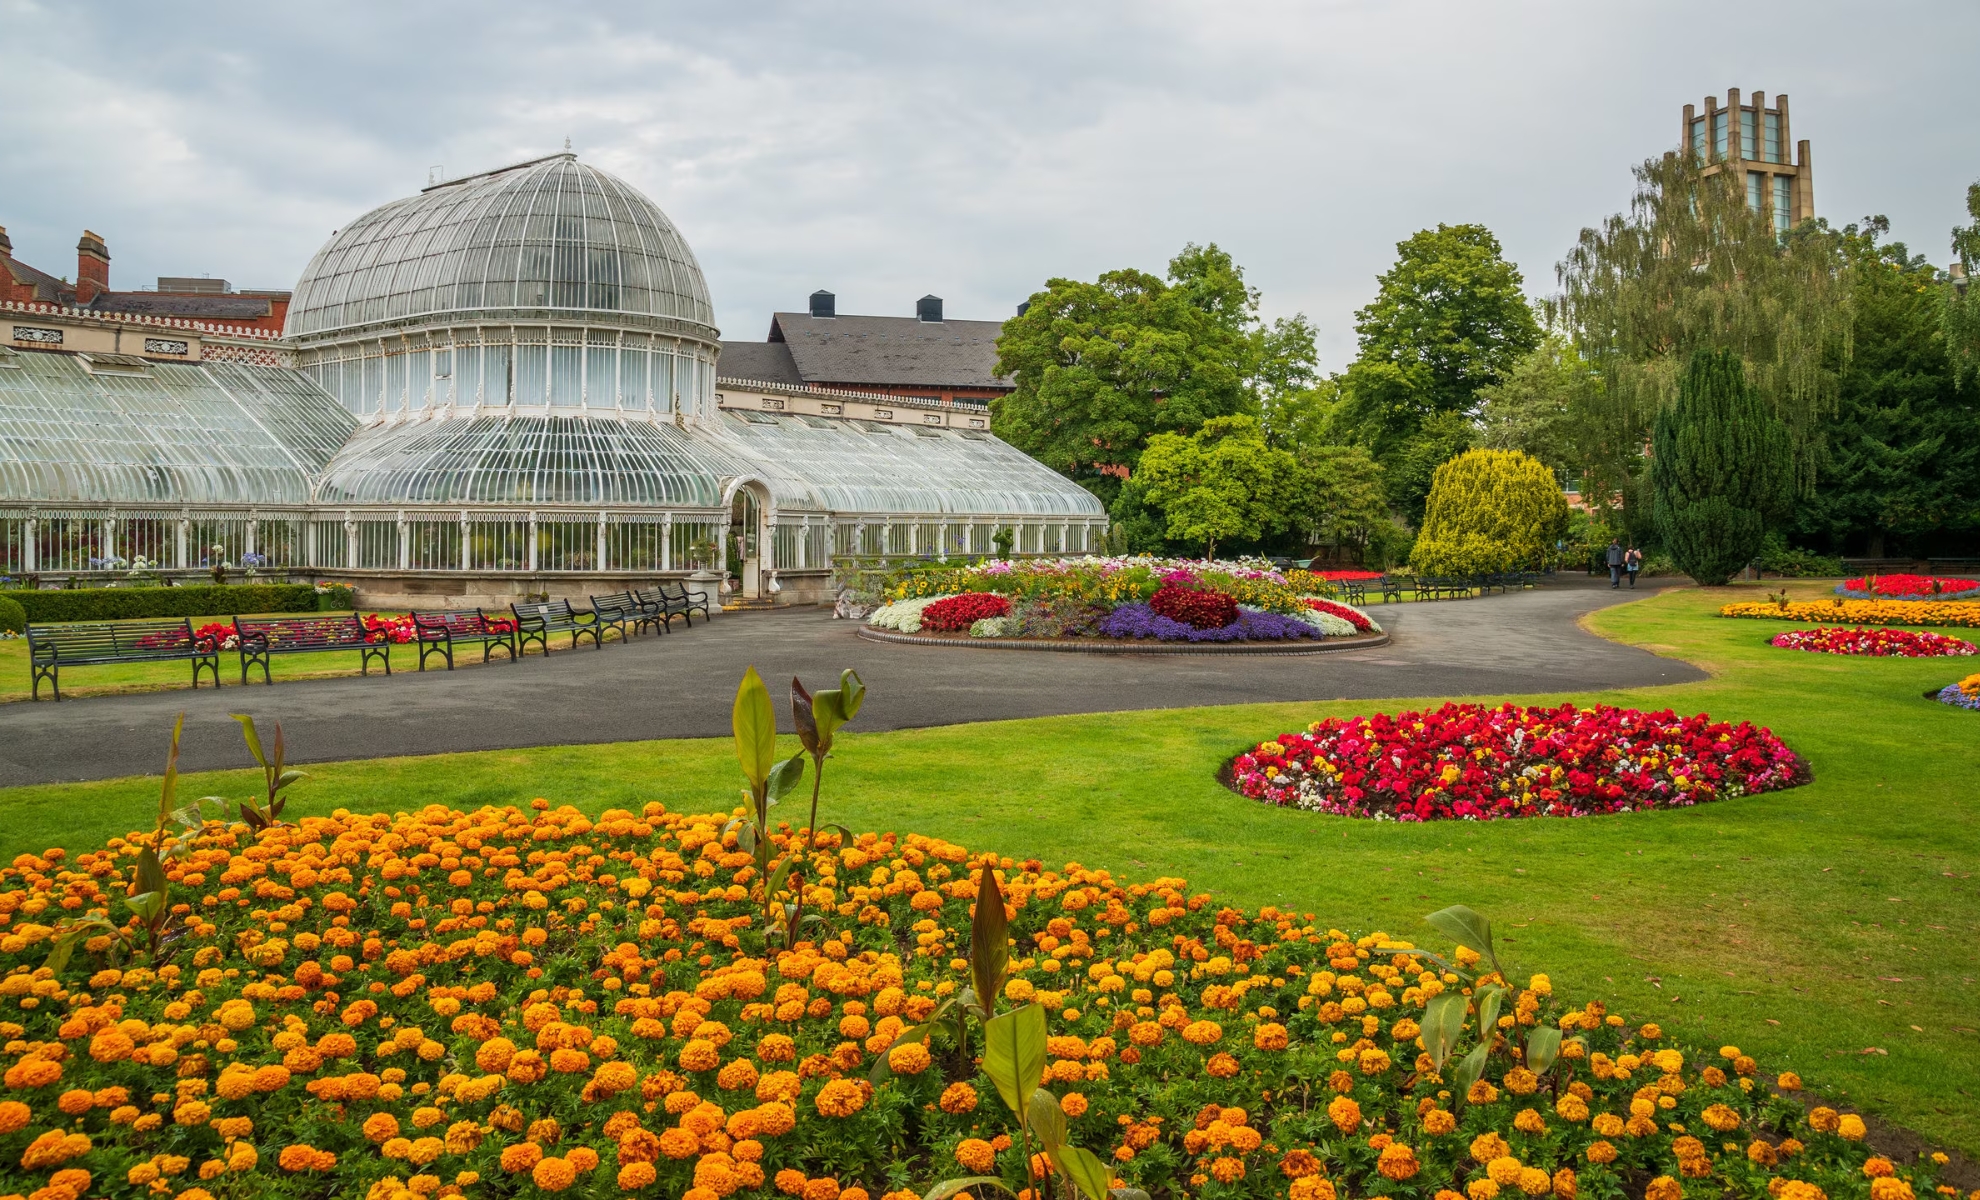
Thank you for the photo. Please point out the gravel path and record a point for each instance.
(680, 685)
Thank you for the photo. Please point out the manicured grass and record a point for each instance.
(115, 678)
(1827, 929)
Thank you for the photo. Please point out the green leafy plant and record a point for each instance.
(147, 895)
(265, 815)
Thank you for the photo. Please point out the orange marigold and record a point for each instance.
(976, 1156)
(553, 1174)
(1398, 1162)
(958, 1098)
(840, 1098)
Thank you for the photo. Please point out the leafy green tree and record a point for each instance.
(1448, 318)
(1690, 267)
(1101, 367)
(1721, 468)
(1338, 498)
(1221, 484)
(1413, 463)
(1962, 302)
(1490, 511)
(1900, 459)
(1537, 406)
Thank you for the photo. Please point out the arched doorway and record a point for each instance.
(748, 538)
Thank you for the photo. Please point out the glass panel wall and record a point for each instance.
(13, 545)
(498, 543)
(693, 544)
(329, 545)
(563, 545)
(433, 544)
(377, 545)
(154, 539)
(1773, 146)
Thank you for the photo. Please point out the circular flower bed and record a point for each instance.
(1893, 643)
(1909, 587)
(510, 1003)
(1964, 694)
(1471, 762)
(1859, 612)
(1138, 599)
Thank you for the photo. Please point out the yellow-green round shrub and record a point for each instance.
(1490, 511)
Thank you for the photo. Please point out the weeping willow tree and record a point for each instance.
(1691, 267)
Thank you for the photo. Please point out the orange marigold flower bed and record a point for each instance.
(517, 1001)
(1957, 613)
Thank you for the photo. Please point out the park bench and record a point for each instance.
(674, 600)
(52, 647)
(536, 620)
(1354, 591)
(438, 631)
(261, 638)
(626, 613)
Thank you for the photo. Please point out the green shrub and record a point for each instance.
(13, 618)
(116, 604)
(1489, 511)
(1720, 469)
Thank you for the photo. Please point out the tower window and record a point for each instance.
(1773, 137)
(1756, 190)
(1748, 122)
(1698, 138)
(1781, 185)
(1720, 130)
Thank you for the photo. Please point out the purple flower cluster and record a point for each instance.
(1139, 621)
(1951, 694)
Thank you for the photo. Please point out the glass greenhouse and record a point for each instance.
(514, 373)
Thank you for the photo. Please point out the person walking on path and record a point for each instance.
(1633, 562)
(1615, 561)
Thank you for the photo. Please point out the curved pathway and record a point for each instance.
(680, 685)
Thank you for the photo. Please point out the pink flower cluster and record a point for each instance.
(1882, 643)
(398, 630)
(1473, 762)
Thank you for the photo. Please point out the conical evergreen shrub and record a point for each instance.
(1490, 511)
(1720, 469)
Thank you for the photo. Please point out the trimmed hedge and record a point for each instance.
(13, 618)
(114, 604)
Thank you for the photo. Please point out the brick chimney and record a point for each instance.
(92, 268)
(6, 243)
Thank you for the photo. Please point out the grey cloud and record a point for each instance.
(889, 150)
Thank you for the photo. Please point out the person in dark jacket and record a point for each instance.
(1615, 561)
(1633, 563)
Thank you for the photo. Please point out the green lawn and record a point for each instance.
(1828, 929)
(116, 678)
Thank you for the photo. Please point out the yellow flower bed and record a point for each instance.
(1862, 612)
(508, 1002)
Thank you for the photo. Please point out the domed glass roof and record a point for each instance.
(544, 235)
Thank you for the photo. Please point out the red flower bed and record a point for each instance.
(1348, 576)
(1352, 616)
(1911, 587)
(216, 635)
(957, 613)
(1199, 610)
(1883, 643)
(1471, 762)
(381, 628)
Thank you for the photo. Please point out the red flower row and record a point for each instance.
(1199, 610)
(1911, 587)
(1471, 762)
(1348, 576)
(1352, 616)
(957, 613)
(1884, 643)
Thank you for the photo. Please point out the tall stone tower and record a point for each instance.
(1753, 139)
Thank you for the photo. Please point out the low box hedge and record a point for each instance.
(115, 604)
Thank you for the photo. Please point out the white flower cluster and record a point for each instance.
(994, 627)
(903, 616)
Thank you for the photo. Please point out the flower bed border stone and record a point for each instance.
(1127, 645)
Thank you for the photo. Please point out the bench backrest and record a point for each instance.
(343, 630)
(95, 639)
(545, 610)
(456, 622)
(616, 602)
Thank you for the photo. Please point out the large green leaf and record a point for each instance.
(150, 872)
(1466, 928)
(754, 721)
(989, 941)
(1489, 998)
(949, 1187)
(1014, 1055)
(168, 789)
(1046, 1120)
(1443, 1025)
(852, 693)
(1092, 1176)
(1543, 1046)
(786, 775)
(1470, 1069)
(253, 739)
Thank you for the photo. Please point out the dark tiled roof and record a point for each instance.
(203, 308)
(48, 289)
(764, 362)
(891, 351)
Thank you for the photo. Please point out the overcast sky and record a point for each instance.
(884, 151)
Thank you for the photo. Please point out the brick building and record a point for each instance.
(210, 301)
(925, 356)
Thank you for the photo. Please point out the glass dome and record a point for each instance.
(543, 236)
